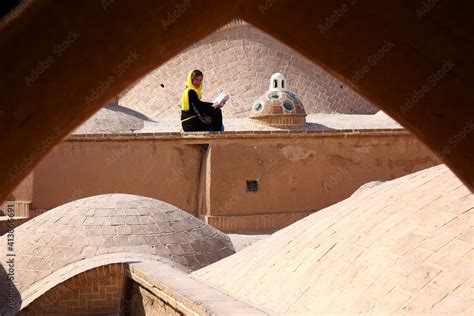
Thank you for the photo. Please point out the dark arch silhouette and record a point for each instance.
(52, 92)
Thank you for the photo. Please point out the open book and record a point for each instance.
(222, 97)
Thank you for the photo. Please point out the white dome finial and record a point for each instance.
(277, 83)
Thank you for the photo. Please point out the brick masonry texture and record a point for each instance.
(148, 304)
(314, 123)
(154, 289)
(253, 223)
(107, 224)
(59, 277)
(17, 221)
(94, 292)
(20, 208)
(112, 119)
(404, 246)
(240, 60)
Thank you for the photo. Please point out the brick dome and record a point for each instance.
(239, 59)
(108, 224)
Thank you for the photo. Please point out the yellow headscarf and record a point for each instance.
(185, 95)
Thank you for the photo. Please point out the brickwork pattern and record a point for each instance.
(314, 122)
(107, 224)
(17, 221)
(282, 122)
(149, 304)
(156, 289)
(35, 292)
(240, 60)
(404, 246)
(113, 119)
(20, 208)
(94, 292)
(253, 223)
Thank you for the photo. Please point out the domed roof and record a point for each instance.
(112, 223)
(278, 106)
(239, 59)
(113, 119)
(404, 246)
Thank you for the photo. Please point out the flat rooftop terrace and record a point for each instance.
(314, 123)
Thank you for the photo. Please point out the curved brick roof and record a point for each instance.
(240, 59)
(113, 119)
(111, 223)
(30, 294)
(403, 246)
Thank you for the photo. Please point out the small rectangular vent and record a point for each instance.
(252, 185)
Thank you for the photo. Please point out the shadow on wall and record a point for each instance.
(137, 300)
(10, 300)
(133, 301)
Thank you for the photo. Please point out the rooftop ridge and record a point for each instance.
(241, 134)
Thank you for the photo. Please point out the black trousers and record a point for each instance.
(195, 125)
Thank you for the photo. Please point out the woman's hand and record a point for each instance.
(218, 105)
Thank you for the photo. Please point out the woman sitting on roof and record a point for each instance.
(196, 115)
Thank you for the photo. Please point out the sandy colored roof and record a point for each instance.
(319, 121)
(113, 119)
(403, 246)
(111, 223)
(116, 119)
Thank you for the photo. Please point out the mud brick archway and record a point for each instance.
(423, 79)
